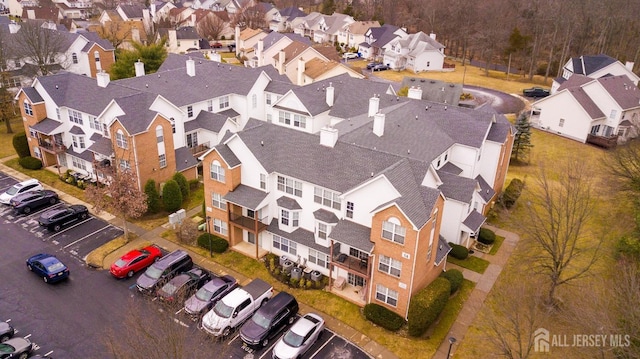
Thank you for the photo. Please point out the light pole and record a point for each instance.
(451, 341)
(209, 235)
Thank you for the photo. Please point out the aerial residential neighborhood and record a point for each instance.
(314, 181)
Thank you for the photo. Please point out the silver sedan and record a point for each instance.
(299, 338)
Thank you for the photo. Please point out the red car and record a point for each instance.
(134, 261)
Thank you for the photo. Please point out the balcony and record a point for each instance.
(199, 149)
(247, 223)
(351, 263)
(51, 146)
(607, 142)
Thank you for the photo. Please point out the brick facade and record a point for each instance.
(107, 58)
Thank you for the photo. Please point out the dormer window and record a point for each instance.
(74, 58)
(290, 218)
(78, 142)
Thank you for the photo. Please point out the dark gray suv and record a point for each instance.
(270, 320)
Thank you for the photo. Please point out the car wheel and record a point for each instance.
(23, 356)
(130, 274)
(52, 201)
(83, 216)
(26, 210)
(29, 267)
(265, 342)
(226, 332)
(291, 319)
(45, 279)
(57, 228)
(4, 338)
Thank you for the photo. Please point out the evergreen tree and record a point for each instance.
(328, 7)
(171, 196)
(184, 185)
(153, 197)
(151, 55)
(522, 141)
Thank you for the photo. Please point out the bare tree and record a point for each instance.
(250, 16)
(7, 110)
(624, 165)
(116, 32)
(560, 208)
(40, 46)
(211, 27)
(120, 196)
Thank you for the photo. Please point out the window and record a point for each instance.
(28, 110)
(78, 163)
(96, 56)
(561, 122)
(163, 160)
(284, 117)
(613, 114)
(393, 231)
(210, 105)
(263, 181)
(322, 230)
(217, 172)
(218, 201)
(290, 186)
(58, 113)
(74, 58)
(326, 198)
(121, 139)
(224, 102)
(192, 140)
(36, 152)
(349, 209)
(125, 165)
(78, 141)
(268, 98)
(189, 111)
(386, 295)
(318, 258)
(94, 123)
(284, 245)
(595, 129)
(254, 100)
(390, 266)
(75, 117)
(159, 134)
(299, 121)
(284, 217)
(355, 280)
(354, 252)
(32, 132)
(220, 226)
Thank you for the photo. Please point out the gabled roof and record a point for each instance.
(246, 196)
(474, 221)
(325, 216)
(328, 51)
(588, 64)
(383, 34)
(486, 191)
(32, 94)
(207, 121)
(184, 159)
(360, 27)
(292, 50)
(248, 33)
(288, 203)
(291, 13)
(624, 92)
(132, 11)
(138, 116)
(47, 126)
(178, 61)
(443, 249)
(227, 155)
(300, 235)
(315, 67)
(457, 187)
(42, 13)
(574, 81)
(101, 145)
(586, 102)
(353, 234)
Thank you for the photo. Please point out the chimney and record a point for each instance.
(629, 65)
(415, 92)
(259, 50)
(191, 67)
(374, 105)
(300, 73)
(135, 35)
(139, 68)
(173, 38)
(152, 7)
(281, 62)
(330, 94)
(13, 28)
(432, 35)
(328, 136)
(237, 38)
(378, 124)
(103, 78)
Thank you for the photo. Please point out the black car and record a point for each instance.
(183, 285)
(55, 218)
(380, 67)
(26, 202)
(270, 320)
(207, 296)
(6, 331)
(535, 92)
(372, 65)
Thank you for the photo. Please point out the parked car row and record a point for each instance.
(16, 347)
(220, 304)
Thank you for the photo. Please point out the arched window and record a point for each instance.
(217, 172)
(393, 231)
(159, 134)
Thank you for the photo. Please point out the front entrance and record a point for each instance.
(251, 237)
(355, 280)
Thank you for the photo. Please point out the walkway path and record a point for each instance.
(484, 283)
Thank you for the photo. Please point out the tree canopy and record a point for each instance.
(151, 55)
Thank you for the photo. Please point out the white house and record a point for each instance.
(594, 66)
(416, 52)
(352, 35)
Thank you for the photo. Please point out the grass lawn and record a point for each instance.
(472, 262)
(496, 245)
(47, 177)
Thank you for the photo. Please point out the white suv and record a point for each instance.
(350, 55)
(20, 188)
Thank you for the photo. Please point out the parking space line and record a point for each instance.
(85, 237)
(234, 338)
(70, 227)
(32, 215)
(325, 344)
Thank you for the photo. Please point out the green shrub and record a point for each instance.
(194, 184)
(486, 236)
(21, 145)
(184, 185)
(628, 247)
(218, 245)
(383, 317)
(30, 163)
(426, 305)
(454, 277)
(171, 196)
(512, 193)
(294, 282)
(458, 251)
(153, 197)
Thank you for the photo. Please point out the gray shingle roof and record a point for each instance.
(325, 216)
(101, 145)
(47, 126)
(76, 130)
(184, 159)
(449, 167)
(474, 220)
(352, 95)
(132, 11)
(500, 129)
(288, 203)
(302, 236)
(207, 121)
(178, 61)
(227, 155)
(443, 249)
(85, 155)
(486, 192)
(457, 187)
(353, 235)
(138, 116)
(32, 94)
(246, 196)
(623, 91)
(588, 64)
(586, 102)
(93, 37)
(432, 90)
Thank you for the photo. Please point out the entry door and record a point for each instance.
(251, 237)
(192, 140)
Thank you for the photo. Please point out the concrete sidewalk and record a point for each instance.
(484, 283)
(365, 343)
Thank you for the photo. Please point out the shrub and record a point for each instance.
(383, 317)
(30, 163)
(194, 184)
(184, 185)
(218, 245)
(454, 277)
(21, 145)
(294, 282)
(458, 251)
(153, 197)
(171, 196)
(512, 193)
(486, 236)
(426, 305)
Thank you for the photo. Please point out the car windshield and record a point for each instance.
(292, 339)
(223, 310)
(153, 272)
(261, 320)
(204, 295)
(169, 288)
(120, 263)
(55, 267)
(6, 348)
(13, 190)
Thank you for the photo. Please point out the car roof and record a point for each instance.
(26, 182)
(131, 254)
(303, 326)
(47, 261)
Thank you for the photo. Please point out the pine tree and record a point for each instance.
(522, 141)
